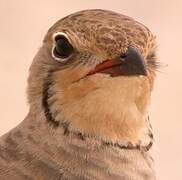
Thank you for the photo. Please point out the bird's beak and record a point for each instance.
(130, 63)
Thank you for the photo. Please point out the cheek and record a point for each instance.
(68, 76)
(75, 91)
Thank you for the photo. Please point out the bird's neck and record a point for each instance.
(47, 148)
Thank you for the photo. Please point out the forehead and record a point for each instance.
(106, 29)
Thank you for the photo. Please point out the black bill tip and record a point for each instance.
(133, 62)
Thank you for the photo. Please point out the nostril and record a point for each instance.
(123, 57)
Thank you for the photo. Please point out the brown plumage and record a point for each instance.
(89, 89)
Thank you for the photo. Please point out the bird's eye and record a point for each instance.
(62, 49)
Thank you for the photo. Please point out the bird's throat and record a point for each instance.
(98, 112)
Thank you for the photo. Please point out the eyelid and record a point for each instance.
(60, 34)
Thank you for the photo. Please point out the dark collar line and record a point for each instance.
(45, 96)
(83, 137)
(130, 146)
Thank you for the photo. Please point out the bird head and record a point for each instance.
(94, 74)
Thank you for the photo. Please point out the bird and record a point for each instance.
(89, 92)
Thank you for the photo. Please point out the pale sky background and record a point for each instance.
(23, 25)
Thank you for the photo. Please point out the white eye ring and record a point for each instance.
(60, 59)
(61, 34)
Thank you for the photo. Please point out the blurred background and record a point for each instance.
(23, 25)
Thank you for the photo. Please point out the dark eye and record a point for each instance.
(62, 49)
